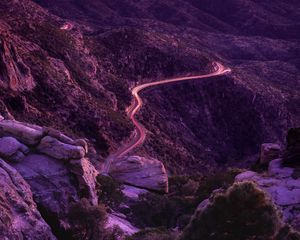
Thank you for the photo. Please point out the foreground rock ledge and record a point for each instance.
(19, 216)
(147, 173)
(56, 171)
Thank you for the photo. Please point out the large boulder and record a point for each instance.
(12, 150)
(269, 152)
(52, 184)
(292, 154)
(59, 150)
(26, 133)
(19, 217)
(86, 175)
(141, 172)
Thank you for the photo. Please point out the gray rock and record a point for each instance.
(52, 184)
(86, 176)
(133, 193)
(59, 150)
(141, 172)
(20, 218)
(25, 133)
(276, 169)
(269, 152)
(280, 185)
(115, 220)
(12, 150)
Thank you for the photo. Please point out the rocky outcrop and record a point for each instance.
(54, 165)
(19, 217)
(12, 150)
(269, 152)
(141, 172)
(292, 153)
(26, 133)
(51, 182)
(59, 150)
(14, 73)
(282, 186)
(86, 177)
(119, 220)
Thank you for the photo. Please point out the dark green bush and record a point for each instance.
(176, 208)
(109, 191)
(153, 234)
(243, 212)
(87, 222)
(287, 233)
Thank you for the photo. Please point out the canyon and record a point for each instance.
(74, 76)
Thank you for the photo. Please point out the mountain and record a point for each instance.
(78, 80)
(70, 65)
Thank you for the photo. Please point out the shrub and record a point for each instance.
(243, 212)
(287, 233)
(87, 222)
(109, 191)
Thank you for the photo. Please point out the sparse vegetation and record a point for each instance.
(176, 208)
(243, 212)
(87, 222)
(109, 191)
(153, 234)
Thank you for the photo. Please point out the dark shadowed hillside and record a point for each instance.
(81, 77)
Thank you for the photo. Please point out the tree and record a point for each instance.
(87, 222)
(243, 212)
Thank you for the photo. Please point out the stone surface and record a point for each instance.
(59, 150)
(52, 184)
(86, 176)
(281, 186)
(133, 193)
(141, 172)
(269, 152)
(25, 133)
(121, 222)
(277, 170)
(19, 216)
(12, 150)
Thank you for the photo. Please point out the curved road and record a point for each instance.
(140, 131)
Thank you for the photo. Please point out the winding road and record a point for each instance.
(139, 135)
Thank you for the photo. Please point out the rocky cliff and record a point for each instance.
(43, 173)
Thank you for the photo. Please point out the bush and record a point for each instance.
(109, 191)
(243, 212)
(87, 222)
(153, 234)
(287, 233)
(176, 208)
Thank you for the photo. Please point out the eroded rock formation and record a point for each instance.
(141, 172)
(19, 217)
(54, 166)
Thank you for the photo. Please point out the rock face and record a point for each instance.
(60, 150)
(292, 153)
(25, 133)
(15, 73)
(269, 152)
(12, 150)
(53, 165)
(51, 182)
(282, 186)
(141, 172)
(19, 216)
